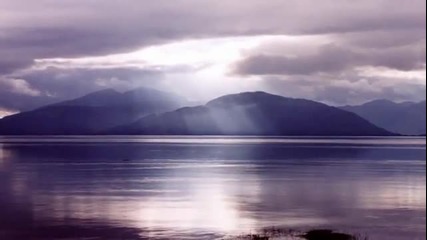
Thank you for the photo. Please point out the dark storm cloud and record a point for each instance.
(332, 59)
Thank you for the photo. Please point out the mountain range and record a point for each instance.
(406, 118)
(150, 112)
(90, 114)
(255, 113)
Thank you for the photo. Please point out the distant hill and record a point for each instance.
(91, 114)
(404, 118)
(256, 113)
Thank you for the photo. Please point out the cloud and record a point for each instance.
(332, 58)
(328, 59)
(384, 39)
(345, 68)
(45, 86)
(338, 74)
(9, 63)
(350, 89)
(49, 28)
(13, 101)
(331, 38)
(69, 83)
(18, 86)
(368, 89)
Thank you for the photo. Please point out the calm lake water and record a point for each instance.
(207, 188)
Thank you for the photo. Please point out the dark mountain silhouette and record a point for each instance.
(404, 118)
(91, 114)
(255, 113)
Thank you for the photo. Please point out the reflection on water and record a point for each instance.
(205, 188)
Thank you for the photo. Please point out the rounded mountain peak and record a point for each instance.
(246, 98)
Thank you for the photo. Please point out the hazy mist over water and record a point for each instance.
(210, 187)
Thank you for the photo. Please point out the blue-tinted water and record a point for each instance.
(210, 187)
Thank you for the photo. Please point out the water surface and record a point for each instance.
(210, 187)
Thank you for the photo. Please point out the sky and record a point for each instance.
(334, 51)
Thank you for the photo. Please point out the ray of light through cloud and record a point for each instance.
(203, 68)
